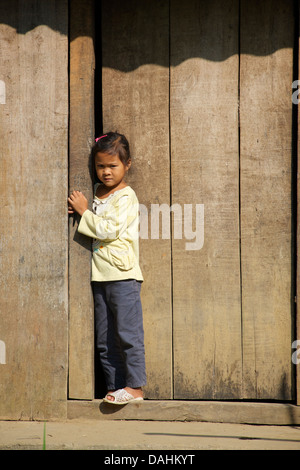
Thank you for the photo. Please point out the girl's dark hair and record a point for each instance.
(112, 143)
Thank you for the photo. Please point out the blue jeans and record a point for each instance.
(120, 333)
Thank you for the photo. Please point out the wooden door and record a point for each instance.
(202, 90)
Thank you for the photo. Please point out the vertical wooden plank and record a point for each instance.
(135, 55)
(81, 317)
(296, 359)
(266, 149)
(33, 191)
(205, 168)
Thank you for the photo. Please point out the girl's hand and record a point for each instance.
(77, 202)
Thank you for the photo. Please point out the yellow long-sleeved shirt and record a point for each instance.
(113, 225)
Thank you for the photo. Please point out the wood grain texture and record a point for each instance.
(266, 149)
(135, 60)
(33, 191)
(219, 321)
(297, 335)
(81, 132)
(205, 168)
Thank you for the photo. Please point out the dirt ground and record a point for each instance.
(122, 435)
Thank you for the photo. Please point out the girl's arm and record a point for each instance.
(112, 223)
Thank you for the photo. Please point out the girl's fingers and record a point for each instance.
(75, 194)
(72, 199)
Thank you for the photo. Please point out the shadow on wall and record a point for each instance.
(24, 16)
(218, 29)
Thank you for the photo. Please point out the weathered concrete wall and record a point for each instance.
(33, 192)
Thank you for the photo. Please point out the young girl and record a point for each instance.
(116, 275)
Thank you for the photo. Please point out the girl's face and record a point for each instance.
(110, 169)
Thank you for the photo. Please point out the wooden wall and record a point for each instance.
(267, 251)
(297, 223)
(33, 191)
(81, 138)
(203, 91)
(205, 169)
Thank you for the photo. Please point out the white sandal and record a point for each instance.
(121, 397)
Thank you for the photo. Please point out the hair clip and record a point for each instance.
(98, 138)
